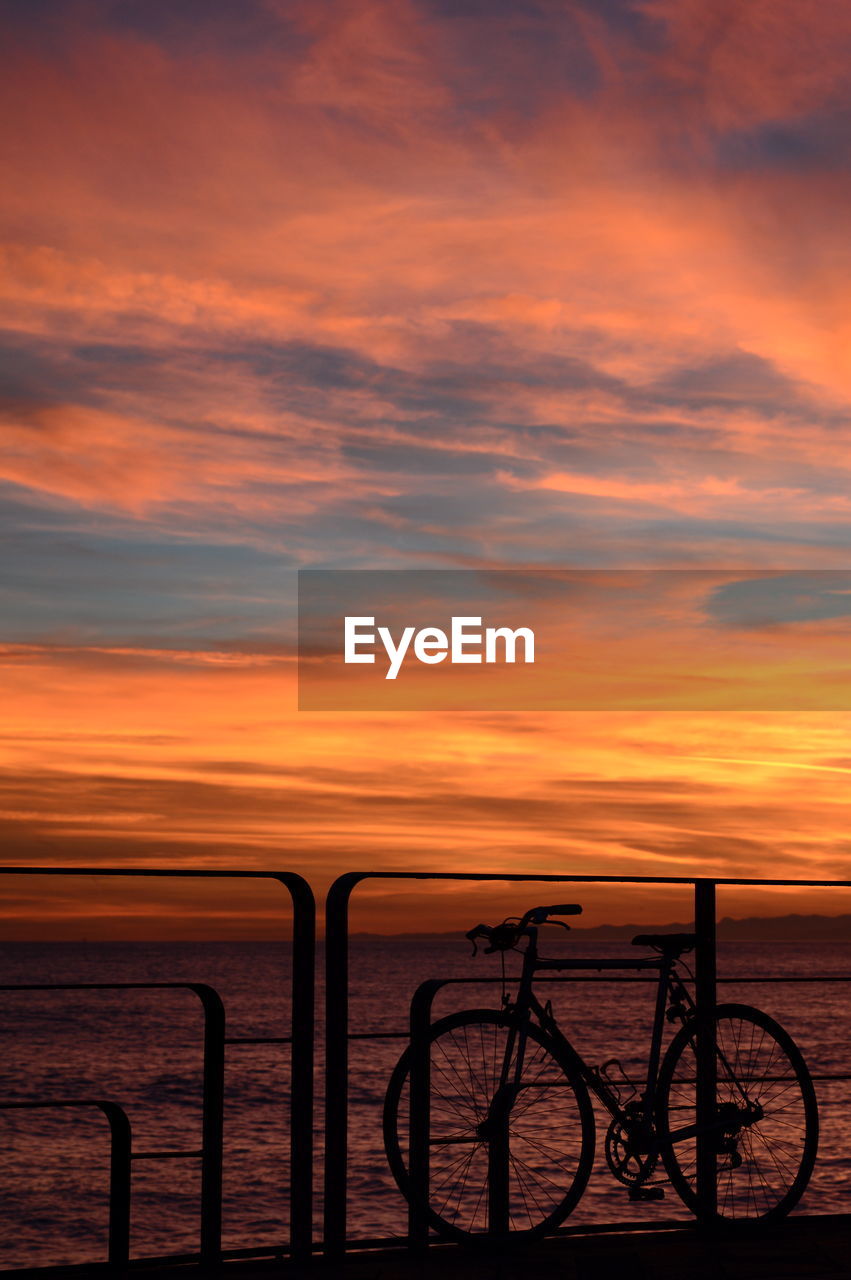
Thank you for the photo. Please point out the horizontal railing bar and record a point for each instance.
(101, 986)
(379, 1035)
(172, 873)
(258, 1040)
(462, 982)
(589, 963)
(598, 963)
(653, 982)
(167, 1155)
(530, 878)
(841, 977)
(193, 874)
(647, 981)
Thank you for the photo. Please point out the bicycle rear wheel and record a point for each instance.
(550, 1130)
(766, 1133)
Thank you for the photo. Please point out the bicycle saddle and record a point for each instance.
(670, 944)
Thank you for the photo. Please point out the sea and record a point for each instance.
(143, 1050)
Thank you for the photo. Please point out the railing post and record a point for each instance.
(706, 1083)
(301, 1066)
(119, 1185)
(419, 1111)
(337, 1060)
(212, 1121)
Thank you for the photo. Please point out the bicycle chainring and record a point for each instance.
(630, 1167)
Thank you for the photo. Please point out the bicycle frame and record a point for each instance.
(671, 997)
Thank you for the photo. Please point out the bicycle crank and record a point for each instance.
(629, 1165)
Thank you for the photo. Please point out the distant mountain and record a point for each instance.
(789, 928)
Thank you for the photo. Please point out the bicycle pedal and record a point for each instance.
(647, 1193)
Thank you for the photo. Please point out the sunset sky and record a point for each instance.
(449, 284)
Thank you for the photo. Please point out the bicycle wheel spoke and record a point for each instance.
(458, 1191)
(462, 1070)
(534, 1176)
(453, 1072)
(452, 1173)
(538, 1174)
(551, 1153)
(470, 1055)
(770, 1151)
(763, 1164)
(479, 1206)
(525, 1191)
(532, 1088)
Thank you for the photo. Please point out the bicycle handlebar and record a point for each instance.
(565, 909)
(502, 937)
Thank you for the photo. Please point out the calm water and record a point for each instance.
(143, 1050)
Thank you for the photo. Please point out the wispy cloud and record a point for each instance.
(402, 284)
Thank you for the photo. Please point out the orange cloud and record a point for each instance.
(390, 284)
(165, 764)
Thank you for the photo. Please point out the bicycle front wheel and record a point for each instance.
(550, 1130)
(765, 1133)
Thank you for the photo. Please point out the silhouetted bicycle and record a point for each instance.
(511, 1124)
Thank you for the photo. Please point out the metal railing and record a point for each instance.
(336, 1240)
(301, 1042)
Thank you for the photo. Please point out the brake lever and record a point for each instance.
(477, 932)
